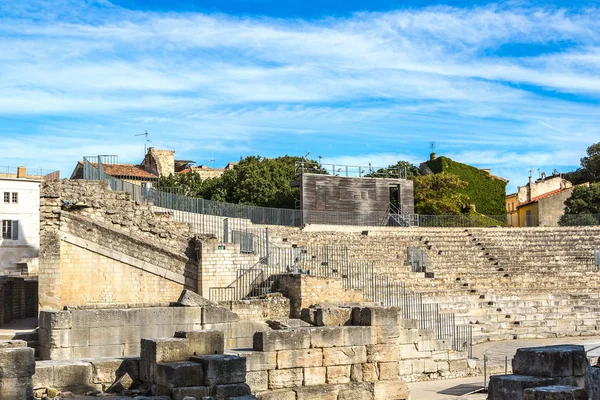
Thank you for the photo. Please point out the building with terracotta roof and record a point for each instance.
(157, 163)
(540, 202)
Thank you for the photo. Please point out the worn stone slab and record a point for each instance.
(17, 362)
(344, 355)
(324, 392)
(356, 392)
(124, 382)
(197, 392)
(107, 370)
(55, 319)
(299, 358)
(315, 376)
(282, 340)
(285, 378)
(337, 374)
(373, 316)
(73, 375)
(16, 388)
(222, 369)
(226, 392)
(191, 299)
(12, 344)
(257, 360)
(204, 342)
(332, 316)
(342, 336)
(390, 390)
(389, 371)
(179, 374)
(556, 393)
(277, 395)
(383, 352)
(504, 387)
(217, 315)
(551, 361)
(258, 380)
(165, 350)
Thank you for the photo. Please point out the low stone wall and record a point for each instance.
(18, 298)
(274, 306)
(17, 365)
(306, 290)
(74, 334)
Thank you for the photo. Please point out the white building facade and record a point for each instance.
(20, 219)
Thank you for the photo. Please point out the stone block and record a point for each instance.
(330, 316)
(373, 316)
(197, 392)
(187, 316)
(408, 351)
(299, 358)
(277, 395)
(17, 362)
(123, 383)
(324, 392)
(282, 340)
(204, 342)
(107, 350)
(257, 360)
(504, 387)
(344, 355)
(49, 353)
(390, 390)
(432, 366)
(285, 378)
(217, 315)
(383, 352)
(156, 331)
(107, 370)
(12, 344)
(149, 316)
(389, 371)
(191, 299)
(75, 376)
(55, 320)
(44, 374)
(355, 392)
(370, 372)
(405, 367)
(222, 369)
(103, 318)
(314, 376)
(458, 365)
(165, 350)
(408, 336)
(258, 381)
(387, 333)
(179, 374)
(16, 388)
(556, 393)
(551, 361)
(356, 373)
(338, 374)
(342, 336)
(226, 392)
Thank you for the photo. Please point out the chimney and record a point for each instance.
(21, 172)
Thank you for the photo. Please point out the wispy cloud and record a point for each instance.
(492, 85)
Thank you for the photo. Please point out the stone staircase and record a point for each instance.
(507, 283)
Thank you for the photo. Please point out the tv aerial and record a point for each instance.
(146, 142)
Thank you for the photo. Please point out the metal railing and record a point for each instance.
(353, 171)
(417, 259)
(46, 174)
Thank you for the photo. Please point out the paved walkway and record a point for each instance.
(450, 389)
(497, 351)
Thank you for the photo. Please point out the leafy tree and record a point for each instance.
(438, 194)
(591, 163)
(583, 207)
(188, 184)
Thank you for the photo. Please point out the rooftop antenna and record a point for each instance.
(146, 142)
(212, 160)
(432, 147)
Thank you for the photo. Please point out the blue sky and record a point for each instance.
(510, 86)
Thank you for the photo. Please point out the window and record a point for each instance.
(7, 197)
(15, 197)
(10, 229)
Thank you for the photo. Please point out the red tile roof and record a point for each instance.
(125, 171)
(544, 196)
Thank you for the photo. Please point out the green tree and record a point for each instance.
(438, 194)
(591, 163)
(188, 184)
(583, 207)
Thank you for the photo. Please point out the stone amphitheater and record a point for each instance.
(131, 304)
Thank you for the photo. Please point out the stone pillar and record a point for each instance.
(50, 243)
(17, 366)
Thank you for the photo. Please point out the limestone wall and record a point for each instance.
(18, 298)
(17, 365)
(100, 248)
(305, 290)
